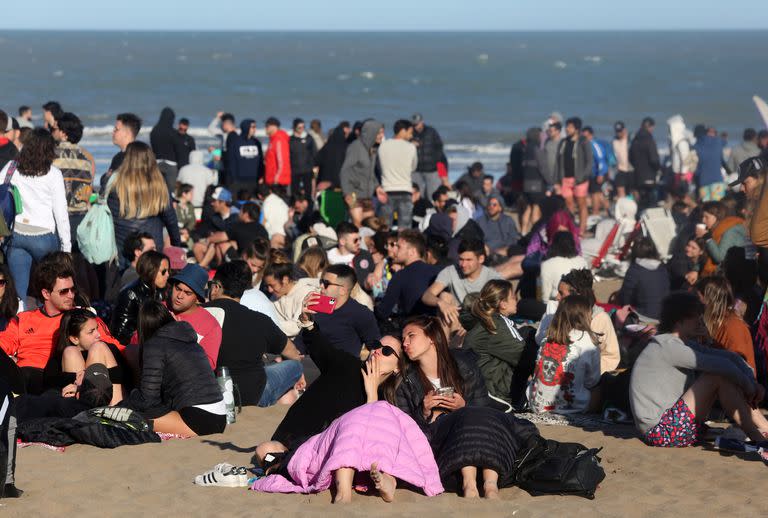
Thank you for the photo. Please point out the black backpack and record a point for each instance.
(549, 467)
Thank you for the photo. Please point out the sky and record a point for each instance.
(387, 15)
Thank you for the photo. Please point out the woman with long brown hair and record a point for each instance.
(725, 326)
(42, 226)
(568, 366)
(138, 198)
(443, 391)
(723, 231)
(154, 271)
(495, 339)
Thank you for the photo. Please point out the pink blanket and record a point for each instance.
(376, 432)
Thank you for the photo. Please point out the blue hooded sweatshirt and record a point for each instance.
(245, 160)
(710, 152)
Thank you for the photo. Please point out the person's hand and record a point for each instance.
(449, 311)
(349, 200)
(701, 231)
(310, 300)
(692, 277)
(301, 384)
(558, 189)
(381, 195)
(431, 401)
(219, 114)
(454, 402)
(69, 391)
(371, 377)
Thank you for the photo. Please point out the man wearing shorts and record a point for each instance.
(574, 169)
(624, 181)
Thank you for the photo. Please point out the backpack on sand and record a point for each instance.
(561, 468)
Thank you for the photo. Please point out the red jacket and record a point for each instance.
(277, 161)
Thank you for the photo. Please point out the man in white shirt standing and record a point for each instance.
(398, 159)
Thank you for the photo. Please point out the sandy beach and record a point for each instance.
(154, 478)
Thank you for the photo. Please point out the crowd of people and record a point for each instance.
(438, 310)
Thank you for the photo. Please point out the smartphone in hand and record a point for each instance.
(324, 304)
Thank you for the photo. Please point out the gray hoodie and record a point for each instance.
(198, 176)
(668, 367)
(740, 153)
(358, 171)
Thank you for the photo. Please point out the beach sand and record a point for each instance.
(157, 478)
(152, 479)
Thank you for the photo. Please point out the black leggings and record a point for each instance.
(202, 422)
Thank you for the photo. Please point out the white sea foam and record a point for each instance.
(342, 77)
(593, 59)
(560, 64)
(367, 75)
(483, 58)
(58, 73)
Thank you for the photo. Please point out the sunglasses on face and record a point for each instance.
(326, 283)
(66, 291)
(388, 351)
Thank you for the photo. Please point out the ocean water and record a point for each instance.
(480, 90)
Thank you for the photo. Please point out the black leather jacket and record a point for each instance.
(410, 393)
(125, 316)
(430, 149)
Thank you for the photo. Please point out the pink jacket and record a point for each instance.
(376, 432)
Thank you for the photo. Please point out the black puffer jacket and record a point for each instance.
(644, 157)
(175, 373)
(429, 149)
(410, 392)
(125, 317)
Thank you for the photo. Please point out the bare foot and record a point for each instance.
(386, 484)
(470, 491)
(491, 489)
(343, 497)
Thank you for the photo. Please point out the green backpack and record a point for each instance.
(96, 233)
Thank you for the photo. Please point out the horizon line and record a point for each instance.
(368, 31)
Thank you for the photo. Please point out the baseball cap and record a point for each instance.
(222, 194)
(416, 118)
(749, 167)
(618, 126)
(96, 389)
(177, 255)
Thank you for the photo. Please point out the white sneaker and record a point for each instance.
(224, 475)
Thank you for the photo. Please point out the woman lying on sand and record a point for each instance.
(375, 443)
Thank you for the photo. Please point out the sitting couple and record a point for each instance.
(432, 396)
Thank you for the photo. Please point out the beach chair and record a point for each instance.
(658, 224)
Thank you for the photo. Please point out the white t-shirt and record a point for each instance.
(334, 257)
(564, 375)
(552, 270)
(255, 300)
(398, 161)
(459, 286)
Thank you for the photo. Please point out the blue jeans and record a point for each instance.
(22, 251)
(281, 377)
(402, 203)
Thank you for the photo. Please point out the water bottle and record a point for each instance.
(227, 389)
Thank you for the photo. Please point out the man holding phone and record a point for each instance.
(350, 325)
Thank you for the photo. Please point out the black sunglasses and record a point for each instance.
(388, 351)
(326, 283)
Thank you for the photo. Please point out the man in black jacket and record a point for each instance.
(644, 157)
(168, 146)
(429, 148)
(302, 152)
(187, 139)
(244, 159)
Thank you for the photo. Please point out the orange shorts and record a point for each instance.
(569, 188)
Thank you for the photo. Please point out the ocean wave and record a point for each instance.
(486, 149)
